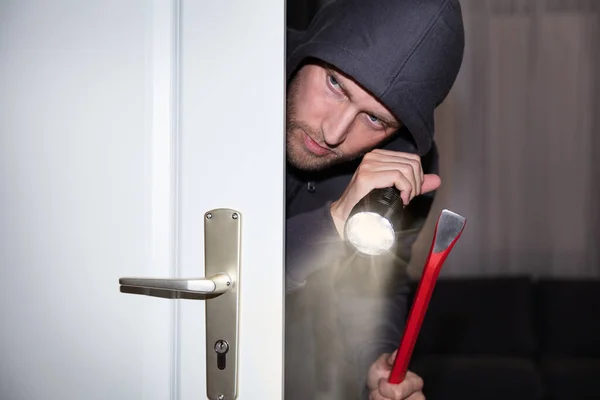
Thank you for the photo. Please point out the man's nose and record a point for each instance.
(337, 125)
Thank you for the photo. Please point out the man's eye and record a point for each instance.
(334, 82)
(376, 121)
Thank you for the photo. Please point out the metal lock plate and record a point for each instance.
(222, 252)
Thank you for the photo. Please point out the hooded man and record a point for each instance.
(363, 82)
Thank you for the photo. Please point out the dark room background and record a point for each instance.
(518, 137)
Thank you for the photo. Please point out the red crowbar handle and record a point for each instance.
(448, 229)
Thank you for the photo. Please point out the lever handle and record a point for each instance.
(216, 284)
(222, 261)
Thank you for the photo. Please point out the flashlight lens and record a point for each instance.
(370, 233)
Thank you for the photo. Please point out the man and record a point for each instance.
(363, 83)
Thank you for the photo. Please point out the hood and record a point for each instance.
(407, 53)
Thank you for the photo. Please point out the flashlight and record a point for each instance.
(374, 222)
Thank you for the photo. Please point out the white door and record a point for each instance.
(122, 123)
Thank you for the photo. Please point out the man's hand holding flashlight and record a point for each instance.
(411, 388)
(380, 169)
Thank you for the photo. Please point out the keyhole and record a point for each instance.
(221, 348)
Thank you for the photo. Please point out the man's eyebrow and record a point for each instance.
(391, 122)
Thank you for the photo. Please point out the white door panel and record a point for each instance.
(233, 133)
(75, 182)
(121, 123)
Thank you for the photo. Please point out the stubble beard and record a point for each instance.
(297, 154)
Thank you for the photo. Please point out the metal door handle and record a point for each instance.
(222, 264)
(216, 284)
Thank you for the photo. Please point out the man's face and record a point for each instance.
(331, 119)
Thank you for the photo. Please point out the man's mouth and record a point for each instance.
(314, 147)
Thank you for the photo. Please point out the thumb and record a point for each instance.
(392, 357)
(430, 183)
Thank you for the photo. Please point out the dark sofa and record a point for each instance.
(511, 338)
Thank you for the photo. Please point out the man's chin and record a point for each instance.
(303, 160)
(312, 164)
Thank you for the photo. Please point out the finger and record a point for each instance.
(394, 391)
(411, 384)
(391, 156)
(392, 159)
(391, 358)
(378, 370)
(431, 182)
(407, 170)
(375, 395)
(404, 185)
(368, 181)
(396, 153)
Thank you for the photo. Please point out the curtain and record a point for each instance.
(518, 137)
